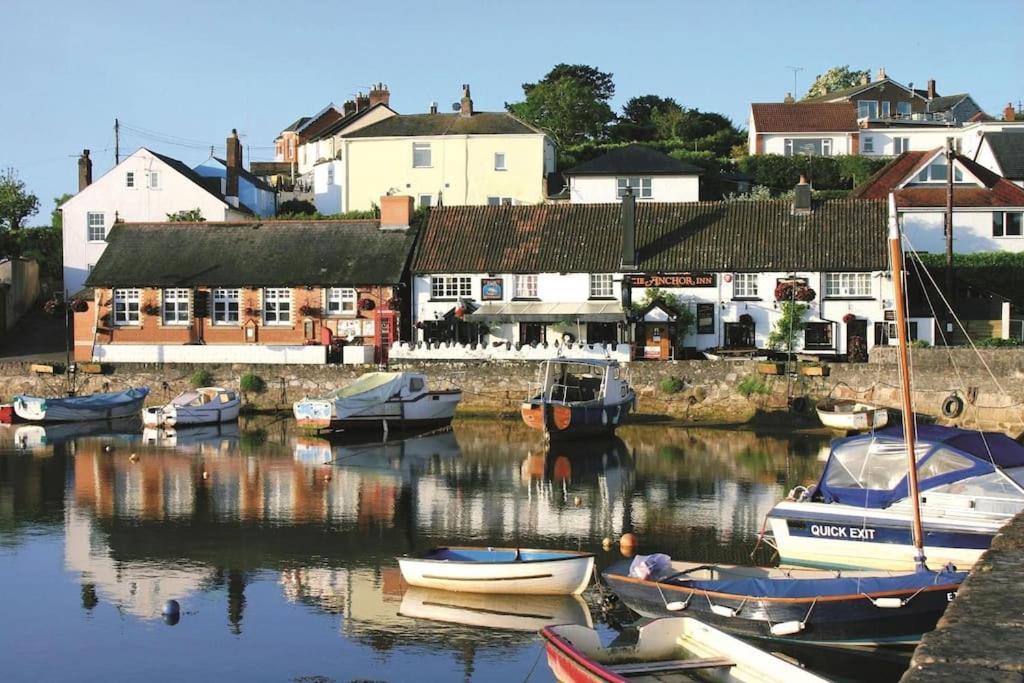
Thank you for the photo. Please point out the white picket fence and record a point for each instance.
(452, 351)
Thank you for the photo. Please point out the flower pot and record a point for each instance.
(771, 368)
(814, 370)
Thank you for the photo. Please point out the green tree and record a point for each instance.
(637, 119)
(57, 216)
(16, 203)
(599, 82)
(186, 216)
(836, 78)
(568, 108)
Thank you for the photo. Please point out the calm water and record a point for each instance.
(284, 565)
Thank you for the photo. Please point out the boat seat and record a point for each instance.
(671, 665)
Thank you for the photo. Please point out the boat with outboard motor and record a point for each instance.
(500, 570)
(579, 397)
(859, 513)
(380, 400)
(104, 406)
(205, 405)
(848, 415)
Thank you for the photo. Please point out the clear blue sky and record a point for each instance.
(194, 69)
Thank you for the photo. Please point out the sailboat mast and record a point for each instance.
(909, 431)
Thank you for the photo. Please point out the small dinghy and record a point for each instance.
(500, 570)
(108, 406)
(506, 612)
(678, 648)
(207, 405)
(848, 415)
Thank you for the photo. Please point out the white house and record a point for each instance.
(650, 174)
(145, 186)
(1003, 152)
(803, 128)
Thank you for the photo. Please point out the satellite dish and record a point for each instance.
(456, 106)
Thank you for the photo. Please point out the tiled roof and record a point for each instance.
(298, 123)
(634, 159)
(267, 253)
(267, 168)
(996, 190)
(694, 236)
(1008, 149)
(345, 121)
(854, 89)
(803, 117)
(946, 102)
(414, 125)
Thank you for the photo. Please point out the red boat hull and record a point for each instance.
(569, 665)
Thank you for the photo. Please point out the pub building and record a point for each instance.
(672, 279)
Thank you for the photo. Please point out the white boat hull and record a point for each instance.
(432, 409)
(507, 612)
(82, 408)
(859, 417)
(215, 411)
(569, 576)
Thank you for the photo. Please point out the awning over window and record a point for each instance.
(539, 312)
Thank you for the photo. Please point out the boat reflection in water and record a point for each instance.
(403, 457)
(197, 438)
(38, 436)
(510, 612)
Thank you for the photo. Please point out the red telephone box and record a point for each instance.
(384, 333)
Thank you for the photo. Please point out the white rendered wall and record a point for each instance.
(775, 143)
(972, 232)
(210, 353)
(328, 197)
(604, 189)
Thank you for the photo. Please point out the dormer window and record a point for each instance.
(903, 108)
(867, 109)
(935, 172)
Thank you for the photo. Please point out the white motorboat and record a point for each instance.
(380, 400)
(847, 415)
(672, 648)
(106, 406)
(500, 570)
(206, 405)
(508, 612)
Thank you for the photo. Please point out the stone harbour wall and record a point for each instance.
(708, 391)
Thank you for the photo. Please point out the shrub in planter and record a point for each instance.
(849, 318)
(920, 344)
(996, 343)
(150, 308)
(366, 305)
(79, 306)
(671, 385)
(309, 311)
(200, 378)
(251, 383)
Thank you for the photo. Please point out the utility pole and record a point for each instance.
(117, 142)
(950, 156)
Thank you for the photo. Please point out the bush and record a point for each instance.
(825, 173)
(996, 343)
(297, 207)
(752, 384)
(252, 384)
(919, 344)
(200, 378)
(671, 385)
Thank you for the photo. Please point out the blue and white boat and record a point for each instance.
(108, 406)
(859, 513)
(579, 397)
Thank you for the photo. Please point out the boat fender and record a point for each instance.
(799, 404)
(568, 338)
(723, 611)
(887, 603)
(953, 406)
(604, 417)
(787, 628)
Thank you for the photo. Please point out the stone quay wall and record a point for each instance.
(708, 391)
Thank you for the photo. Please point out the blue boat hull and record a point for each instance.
(567, 420)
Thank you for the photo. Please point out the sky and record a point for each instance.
(180, 75)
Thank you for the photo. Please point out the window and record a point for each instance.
(175, 309)
(89, 267)
(421, 155)
(426, 200)
(154, 180)
(867, 109)
(499, 201)
(935, 172)
(867, 145)
(277, 306)
(126, 306)
(705, 318)
(524, 287)
(788, 151)
(903, 108)
(818, 336)
(225, 306)
(744, 285)
(1007, 224)
(826, 147)
(330, 174)
(847, 285)
(97, 227)
(450, 286)
(641, 187)
(601, 286)
(886, 109)
(129, 180)
(900, 145)
(812, 147)
(341, 301)
(499, 161)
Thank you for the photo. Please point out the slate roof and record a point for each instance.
(266, 168)
(803, 117)
(634, 160)
(671, 237)
(207, 184)
(854, 89)
(254, 179)
(996, 191)
(415, 125)
(345, 121)
(265, 253)
(1008, 149)
(946, 102)
(298, 123)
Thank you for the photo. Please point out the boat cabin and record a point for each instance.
(582, 381)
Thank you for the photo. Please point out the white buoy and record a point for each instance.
(787, 628)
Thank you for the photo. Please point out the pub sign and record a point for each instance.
(672, 280)
(492, 289)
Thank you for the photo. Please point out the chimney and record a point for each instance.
(865, 79)
(628, 223)
(881, 74)
(379, 94)
(395, 212)
(234, 164)
(362, 102)
(788, 99)
(465, 104)
(802, 197)
(85, 170)
(349, 107)
(433, 107)
(931, 88)
(1009, 114)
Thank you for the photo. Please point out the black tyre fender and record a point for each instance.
(799, 404)
(953, 406)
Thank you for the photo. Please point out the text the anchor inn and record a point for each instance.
(663, 278)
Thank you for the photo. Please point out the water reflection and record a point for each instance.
(256, 516)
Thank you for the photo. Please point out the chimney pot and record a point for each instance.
(881, 73)
(433, 107)
(233, 164)
(1009, 114)
(349, 107)
(802, 197)
(380, 95)
(362, 102)
(466, 103)
(931, 88)
(788, 99)
(628, 223)
(865, 79)
(84, 170)
(395, 212)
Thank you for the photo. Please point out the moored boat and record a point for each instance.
(206, 405)
(500, 570)
(507, 612)
(579, 397)
(105, 406)
(380, 400)
(677, 648)
(848, 415)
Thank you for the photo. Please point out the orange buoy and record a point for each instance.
(606, 543)
(628, 541)
(133, 457)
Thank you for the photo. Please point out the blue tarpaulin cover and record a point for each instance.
(810, 588)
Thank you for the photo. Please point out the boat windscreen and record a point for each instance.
(368, 382)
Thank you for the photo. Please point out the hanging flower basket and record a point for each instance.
(366, 305)
(309, 311)
(252, 312)
(150, 308)
(79, 306)
(790, 291)
(394, 303)
(52, 306)
(849, 318)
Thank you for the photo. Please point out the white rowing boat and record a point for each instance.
(507, 612)
(500, 570)
(848, 415)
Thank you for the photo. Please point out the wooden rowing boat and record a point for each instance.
(500, 570)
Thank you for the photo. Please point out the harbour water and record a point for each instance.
(280, 547)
